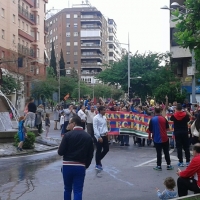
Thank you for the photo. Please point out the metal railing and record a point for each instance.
(26, 14)
(26, 51)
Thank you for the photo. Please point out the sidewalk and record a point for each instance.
(42, 144)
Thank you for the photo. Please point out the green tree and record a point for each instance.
(148, 66)
(53, 60)
(44, 88)
(62, 65)
(10, 85)
(188, 26)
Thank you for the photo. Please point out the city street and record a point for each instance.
(127, 175)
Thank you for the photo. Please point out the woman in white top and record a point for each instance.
(195, 128)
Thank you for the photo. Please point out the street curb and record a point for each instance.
(31, 152)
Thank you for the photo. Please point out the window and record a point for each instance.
(22, 25)
(38, 53)
(75, 25)
(56, 19)
(56, 37)
(13, 18)
(19, 22)
(67, 15)
(75, 43)
(68, 62)
(68, 53)
(38, 19)
(68, 25)
(22, 42)
(75, 34)
(75, 16)
(75, 62)
(3, 54)
(27, 28)
(13, 39)
(57, 55)
(68, 34)
(75, 53)
(2, 12)
(38, 36)
(27, 8)
(19, 40)
(26, 44)
(68, 43)
(37, 3)
(50, 32)
(2, 34)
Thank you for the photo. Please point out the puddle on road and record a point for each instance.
(18, 178)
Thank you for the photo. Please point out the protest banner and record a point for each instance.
(131, 123)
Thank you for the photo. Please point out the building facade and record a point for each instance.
(81, 32)
(180, 57)
(115, 50)
(23, 34)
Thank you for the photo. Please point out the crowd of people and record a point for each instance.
(90, 116)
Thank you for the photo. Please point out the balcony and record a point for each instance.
(91, 46)
(91, 56)
(91, 38)
(179, 52)
(25, 35)
(91, 19)
(91, 65)
(89, 73)
(26, 15)
(90, 27)
(26, 51)
(30, 2)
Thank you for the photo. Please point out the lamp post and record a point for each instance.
(128, 44)
(177, 5)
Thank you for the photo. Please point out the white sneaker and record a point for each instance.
(114, 141)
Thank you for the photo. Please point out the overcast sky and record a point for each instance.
(146, 23)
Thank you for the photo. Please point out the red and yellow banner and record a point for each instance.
(129, 120)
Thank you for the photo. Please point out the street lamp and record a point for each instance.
(138, 77)
(128, 58)
(177, 5)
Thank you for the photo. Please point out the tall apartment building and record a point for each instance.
(23, 34)
(115, 50)
(181, 57)
(81, 32)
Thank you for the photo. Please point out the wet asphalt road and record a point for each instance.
(126, 176)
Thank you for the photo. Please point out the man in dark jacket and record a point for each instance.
(181, 119)
(77, 151)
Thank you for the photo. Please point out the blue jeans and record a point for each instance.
(64, 127)
(73, 177)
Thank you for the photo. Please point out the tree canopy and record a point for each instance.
(188, 26)
(62, 65)
(53, 60)
(156, 80)
(10, 84)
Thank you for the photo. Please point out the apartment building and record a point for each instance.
(23, 35)
(81, 32)
(115, 50)
(181, 57)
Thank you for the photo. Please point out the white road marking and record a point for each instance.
(147, 162)
(38, 154)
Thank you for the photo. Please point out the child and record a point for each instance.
(169, 192)
(47, 124)
(21, 133)
(62, 120)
